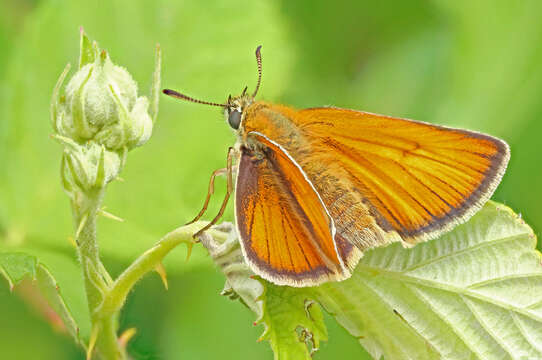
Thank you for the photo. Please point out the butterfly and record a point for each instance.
(316, 188)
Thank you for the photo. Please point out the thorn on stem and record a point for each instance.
(109, 215)
(72, 241)
(126, 336)
(189, 247)
(161, 270)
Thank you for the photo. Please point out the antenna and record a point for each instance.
(178, 95)
(259, 61)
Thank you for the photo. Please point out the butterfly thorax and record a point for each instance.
(273, 121)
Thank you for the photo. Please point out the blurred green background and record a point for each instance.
(471, 64)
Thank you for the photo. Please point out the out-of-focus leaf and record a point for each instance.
(165, 183)
(204, 53)
(476, 292)
(15, 267)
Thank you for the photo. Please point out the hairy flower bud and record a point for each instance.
(87, 166)
(101, 104)
(99, 117)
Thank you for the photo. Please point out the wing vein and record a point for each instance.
(266, 232)
(287, 247)
(425, 186)
(382, 176)
(417, 146)
(298, 243)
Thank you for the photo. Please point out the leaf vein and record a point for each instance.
(487, 329)
(465, 250)
(453, 289)
(525, 333)
(504, 278)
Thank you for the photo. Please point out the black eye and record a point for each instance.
(234, 119)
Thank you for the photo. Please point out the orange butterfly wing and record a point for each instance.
(419, 178)
(386, 179)
(285, 231)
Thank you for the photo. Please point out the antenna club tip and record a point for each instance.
(167, 91)
(258, 49)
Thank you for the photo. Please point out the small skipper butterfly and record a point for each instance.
(315, 188)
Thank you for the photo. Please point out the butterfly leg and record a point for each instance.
(229, 190)
(210, 191)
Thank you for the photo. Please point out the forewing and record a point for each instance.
(285, 230)
(416, 179)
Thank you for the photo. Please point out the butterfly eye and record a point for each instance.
(234, 119)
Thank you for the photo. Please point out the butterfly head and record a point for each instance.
(235, 106)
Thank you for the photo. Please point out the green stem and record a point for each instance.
(85, 208)
(107, 344)
(148, 261)
(105, 299)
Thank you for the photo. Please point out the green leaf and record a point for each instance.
(16, 267)
(293, 322)
(476, 292)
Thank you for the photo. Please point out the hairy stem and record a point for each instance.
(107, 344)
(148, 261)
(85, 206)
(106, 298)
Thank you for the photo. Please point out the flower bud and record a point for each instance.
(99, 118)
(87, 166)
(101, 103)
